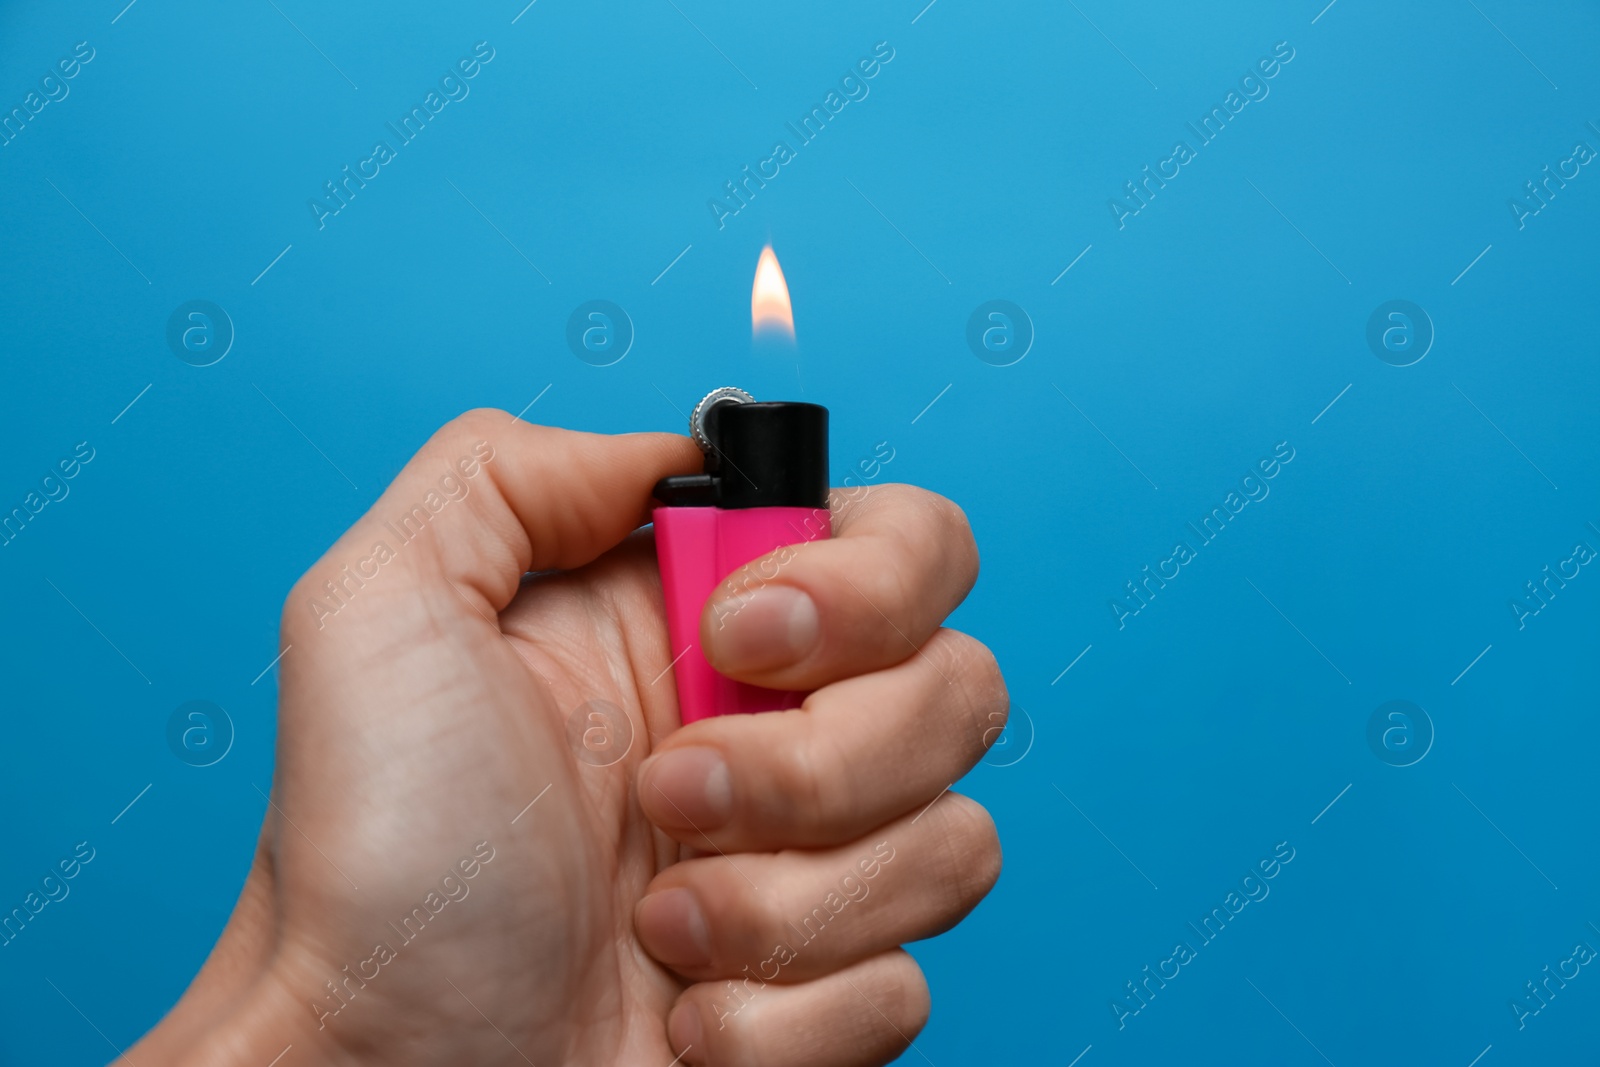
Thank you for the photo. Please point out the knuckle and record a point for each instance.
(954, 534)
(905, 996)
(925, 558)
(981, 704)
(462, 434)
(974, 851)
(477, 423)
(950, 517)
(935, 518)
(937, 538)
(963, 862)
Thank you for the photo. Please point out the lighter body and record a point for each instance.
(765, 487)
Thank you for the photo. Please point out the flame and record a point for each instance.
(769, 298)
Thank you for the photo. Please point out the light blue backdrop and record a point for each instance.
(1156, 757)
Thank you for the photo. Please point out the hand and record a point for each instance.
(444, 877)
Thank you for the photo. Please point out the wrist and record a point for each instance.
(263, 1023)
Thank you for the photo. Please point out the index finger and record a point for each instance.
(901, 559)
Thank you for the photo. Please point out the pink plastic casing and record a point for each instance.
(697, 548)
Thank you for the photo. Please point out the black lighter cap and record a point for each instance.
(763, 455)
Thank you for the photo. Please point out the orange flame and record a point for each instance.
(770, 309)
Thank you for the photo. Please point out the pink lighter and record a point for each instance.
(765, 485)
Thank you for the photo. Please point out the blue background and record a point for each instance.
(1134, 790)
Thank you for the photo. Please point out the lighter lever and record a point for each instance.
(764, 486)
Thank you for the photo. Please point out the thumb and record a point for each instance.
(488, 498)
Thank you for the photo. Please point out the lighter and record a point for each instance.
(764, 486)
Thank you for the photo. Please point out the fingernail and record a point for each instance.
(686, 1033)
(672, 928)
(771, 627)
(687, 789)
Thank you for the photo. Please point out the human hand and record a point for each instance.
(444, 877)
